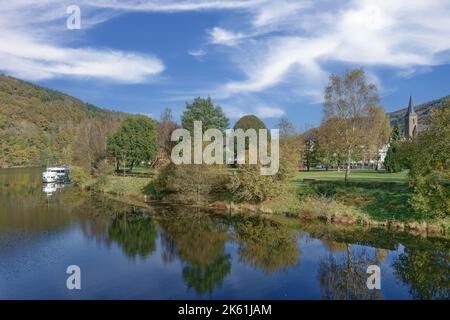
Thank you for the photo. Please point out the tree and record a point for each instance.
(166, 126)
(245, 123)
(204, 110)
(376, 133)
(331, 145)
(249, 122)
(391, 162)
(286, 127)
(311, 148)
(134, 142)
(349, 102)
(427, 158)
(90, 142)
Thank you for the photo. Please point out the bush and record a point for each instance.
(431, 195)
(79, 176)
(247, 184)
(192, 183)
(103, 170)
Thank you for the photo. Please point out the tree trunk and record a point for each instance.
(349, 160)
(131, 166)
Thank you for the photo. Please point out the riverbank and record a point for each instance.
(372, 199)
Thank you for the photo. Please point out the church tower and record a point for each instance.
(410, 121)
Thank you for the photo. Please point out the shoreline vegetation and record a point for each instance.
(370, 199)
(407, 186)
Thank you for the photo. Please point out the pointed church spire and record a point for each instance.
(410, 107)
(410, 121)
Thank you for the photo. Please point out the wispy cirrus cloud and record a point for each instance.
(220, 36)
(198, 53)
(35, 45)
(285, 45)
(176, 5)
(303, 37)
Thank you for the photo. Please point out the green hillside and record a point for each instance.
(423, 111)
(38, 125)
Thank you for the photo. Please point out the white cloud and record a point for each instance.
(304, 37)
(273, 43)
(197, 53)
(269, 112)
(278, 12)
(242, 105)
(175, 5)
(33, 45)
(26, 58)
(224, 37)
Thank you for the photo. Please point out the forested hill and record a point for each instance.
(38, 125)
(423, 111)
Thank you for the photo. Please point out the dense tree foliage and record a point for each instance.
(249, 122)
(351, 104)
(391, 162)
(204, 110)
(134, 142)
(428, 157)
(38, 126)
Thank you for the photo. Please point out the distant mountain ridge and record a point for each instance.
(423, 112)
(38, 125)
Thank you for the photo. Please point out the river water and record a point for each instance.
(128, 252)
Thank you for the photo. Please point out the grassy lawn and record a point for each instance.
(355, 176)
(126, 185)
(139, 169)
(378, 194)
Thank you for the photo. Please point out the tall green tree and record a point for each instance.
(391, 162)
(134, 142)
(245, 123)
(428, 157)
(204, 110)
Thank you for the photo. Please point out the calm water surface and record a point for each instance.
(125, 252)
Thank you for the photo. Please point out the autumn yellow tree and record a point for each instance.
(350, 105)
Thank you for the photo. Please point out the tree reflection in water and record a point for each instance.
(136, 235)
(426, 271)
(266, 245)
(199, 241)
(205, 278)
(344, 277)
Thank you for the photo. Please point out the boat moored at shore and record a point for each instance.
(56, 174)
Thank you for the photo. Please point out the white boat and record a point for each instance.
(56, 174)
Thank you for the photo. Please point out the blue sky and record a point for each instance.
(265, 57)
